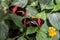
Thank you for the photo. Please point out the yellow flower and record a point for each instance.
(33, 17)
(51, 31)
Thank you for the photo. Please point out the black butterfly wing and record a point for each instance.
(11, 7)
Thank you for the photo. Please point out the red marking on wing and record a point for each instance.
(39, 21)
(25, 21)
(14, 9)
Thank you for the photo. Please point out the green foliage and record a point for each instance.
(10, 39)
(31, 11)
(44, 27)
(45, 4)
(21, 3)
(41, 35)
(41, 15)
(1, 15)
(54, 19)
(48, 10)
(56, 7)
(21, 38)
(18, 21)
(31, 30)
(3, 30)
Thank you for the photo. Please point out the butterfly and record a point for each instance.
(32, 22)
(18, 10)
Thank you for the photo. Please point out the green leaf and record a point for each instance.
(35, 3)
(41, 15)
(30, 1)
(21, 38)
(31, 30)
(20, 3)
(17, 20)
(1, 15)
(31, 11)
(44, 27)
(5, 3)
(3, 30)
(54, 19)
(45, 4)
(56, 7)
(10, 39)
(58, 2)
(41, 35)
